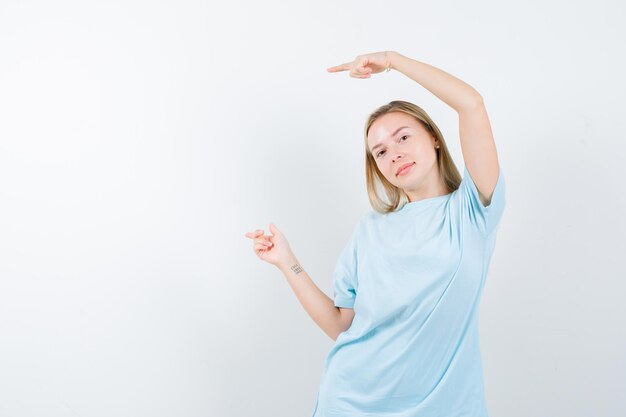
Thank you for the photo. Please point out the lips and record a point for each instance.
(404, 166)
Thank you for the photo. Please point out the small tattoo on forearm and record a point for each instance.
(296, 268)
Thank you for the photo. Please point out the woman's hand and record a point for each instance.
(364, 66)
(273, 249)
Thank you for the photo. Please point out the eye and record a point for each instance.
(401, 138)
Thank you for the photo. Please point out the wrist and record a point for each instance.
(288, 264)
(392, 59)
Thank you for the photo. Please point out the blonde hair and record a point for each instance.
(383, 195)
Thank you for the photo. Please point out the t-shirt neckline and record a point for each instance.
(424, 202)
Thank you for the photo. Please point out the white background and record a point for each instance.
(140, 141)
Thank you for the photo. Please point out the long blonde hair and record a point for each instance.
(383, 195)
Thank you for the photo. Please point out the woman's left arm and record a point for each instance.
(477, 143)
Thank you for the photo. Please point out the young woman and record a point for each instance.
(407, 285)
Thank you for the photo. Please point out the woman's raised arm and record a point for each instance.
(477, 142)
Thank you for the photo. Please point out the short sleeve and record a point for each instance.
(485, 219)
(345, 282)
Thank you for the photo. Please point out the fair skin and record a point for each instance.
(422, 181)
(275, 250)
(477, 142)
(411, 144)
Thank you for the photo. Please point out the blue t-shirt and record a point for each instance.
(414, 278)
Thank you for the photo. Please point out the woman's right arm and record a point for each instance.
(275, 249)
(333, 320)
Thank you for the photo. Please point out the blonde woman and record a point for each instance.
(408, 284)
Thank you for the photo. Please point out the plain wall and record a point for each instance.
(140, 140)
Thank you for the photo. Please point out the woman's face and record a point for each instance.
(397, 139)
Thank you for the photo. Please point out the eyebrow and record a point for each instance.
(392, 135)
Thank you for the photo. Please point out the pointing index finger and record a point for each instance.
(342, 67)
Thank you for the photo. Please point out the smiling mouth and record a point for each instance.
(404, 169)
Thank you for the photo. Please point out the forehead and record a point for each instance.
(385, 125)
